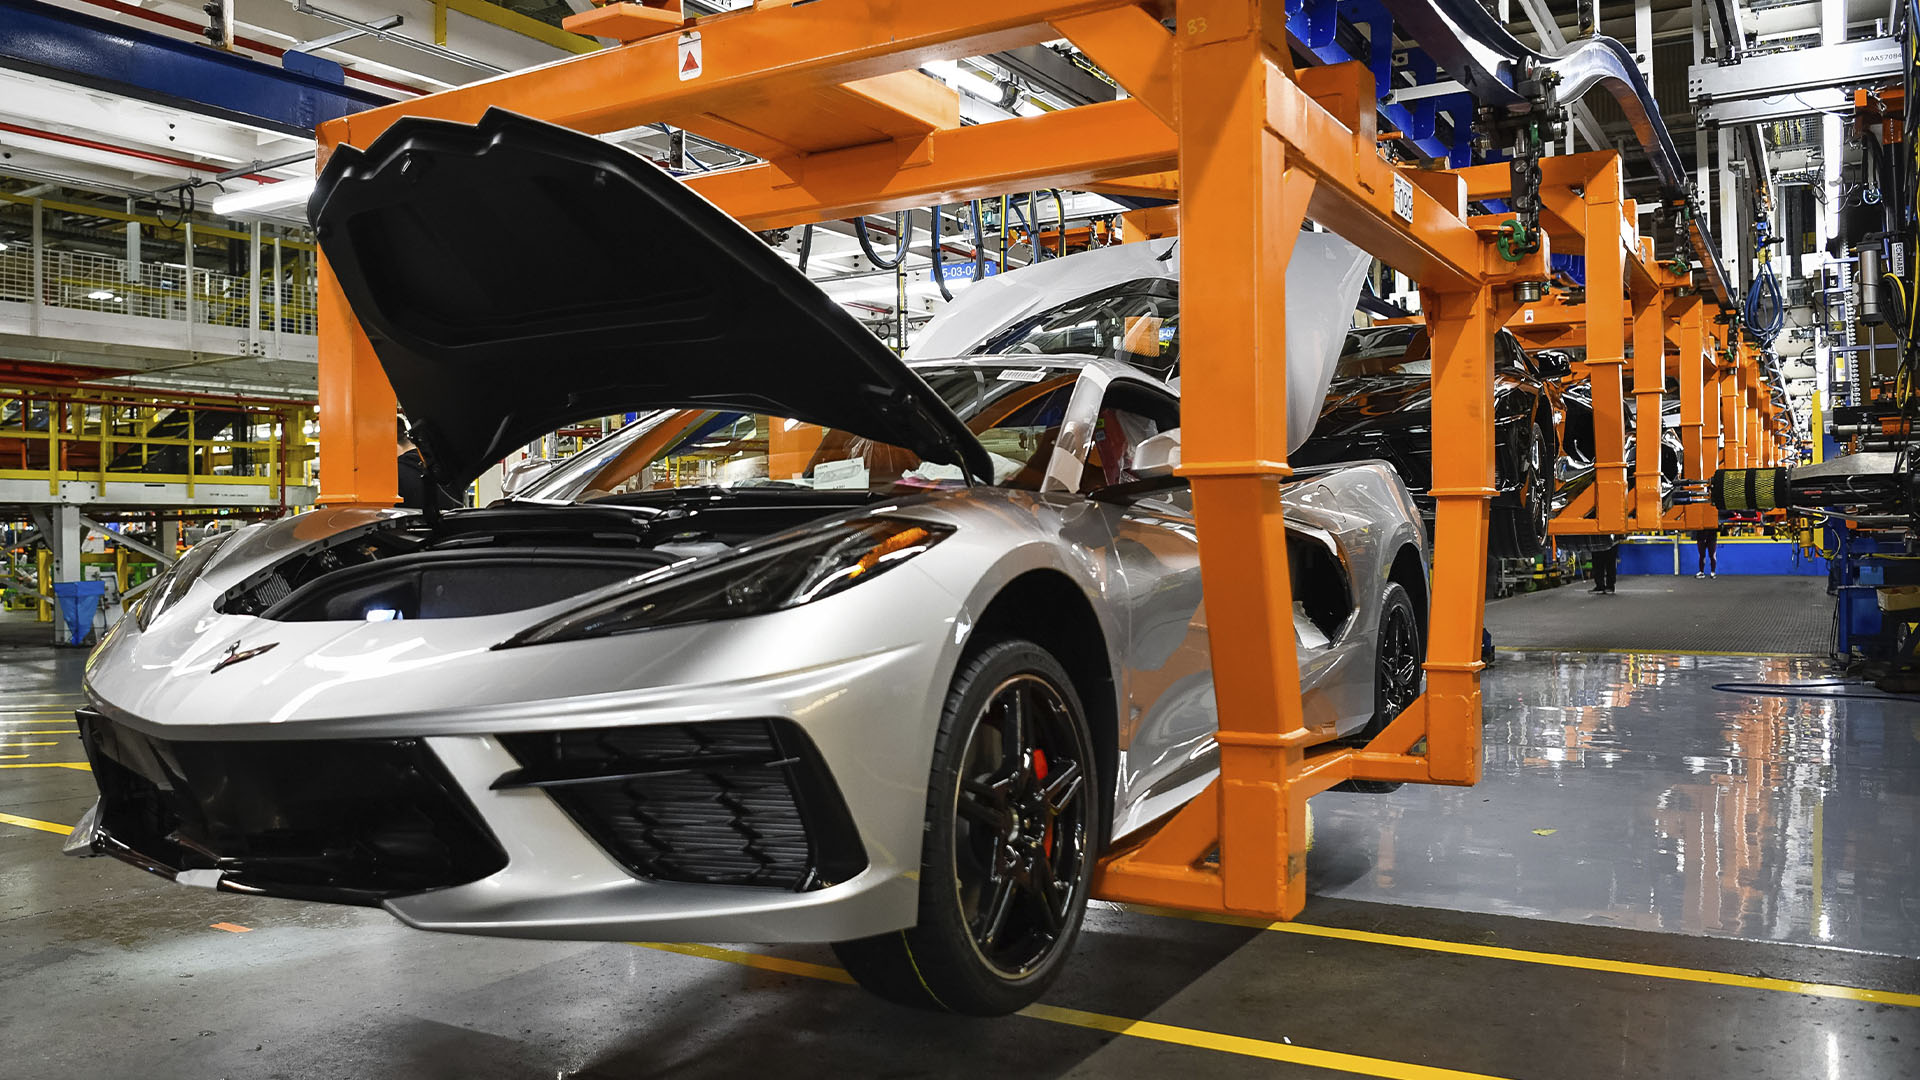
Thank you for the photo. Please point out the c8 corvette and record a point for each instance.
(825, 647)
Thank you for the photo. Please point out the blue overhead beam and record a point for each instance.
(59, 44)
(1315, 26)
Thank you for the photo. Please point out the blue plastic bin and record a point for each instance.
(78, 601)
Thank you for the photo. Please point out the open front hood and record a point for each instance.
(514, 276)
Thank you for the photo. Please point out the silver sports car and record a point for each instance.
(825, 648)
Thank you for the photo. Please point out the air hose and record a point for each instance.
(1765, 324)
(1835, 691)
(1034, 251)
(939, 242)
(979, 248)
(903, 227)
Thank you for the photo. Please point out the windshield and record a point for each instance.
(1385, 350)
(1015, 410)
(1136, 323)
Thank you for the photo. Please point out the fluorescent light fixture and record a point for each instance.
(264, 197)
(100, 294)
(3, 245)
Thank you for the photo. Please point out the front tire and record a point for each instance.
(1012, 831)
(1398, 654)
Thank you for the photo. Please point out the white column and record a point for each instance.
(1727, 223)
(39, 271)
(1643, 38)
(132, 273)
(253, 290)
(279, 300)
(193, 316)
(64, 541)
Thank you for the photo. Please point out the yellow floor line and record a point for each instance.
(1119, 1025)
(35, 823)
(9, 716)
(23, 745)
(80, 765)
(1506, 646)
(1529, 956)
(49, 731)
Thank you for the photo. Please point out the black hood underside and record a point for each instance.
(513, 276)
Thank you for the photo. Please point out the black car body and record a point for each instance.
(1381, 406)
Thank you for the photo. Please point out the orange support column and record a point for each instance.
(1607, 344)
(1241, 208)
(1688, 314)
(358, 455)
(1461, 326)
(1240, 212)
(1649, 389)
(1733, 447)
(1709, 398)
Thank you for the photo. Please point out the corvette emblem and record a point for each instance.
(234, 655)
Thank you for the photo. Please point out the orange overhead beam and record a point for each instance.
(1066, 148)
(752, 59)
(903, 105)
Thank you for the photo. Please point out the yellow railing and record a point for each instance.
(104, 435)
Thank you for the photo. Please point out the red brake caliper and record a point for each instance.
(1040, 773)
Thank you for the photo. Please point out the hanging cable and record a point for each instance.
(1763, 321)
(903, 229)
(1060, 225)
(979, 241)
(1034, 251)
(806, 245)
(939, 242)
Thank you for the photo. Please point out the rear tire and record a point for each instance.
(1398, 654)
(1521, 532)
(1012, 830)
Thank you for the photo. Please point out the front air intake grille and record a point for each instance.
(730, 802)
(341, 820)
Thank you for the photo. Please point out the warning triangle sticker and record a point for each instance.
(690, 55)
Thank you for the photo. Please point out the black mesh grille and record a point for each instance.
(733, 802)
(348, 821)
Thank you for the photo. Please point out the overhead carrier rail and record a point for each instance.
(829, 95)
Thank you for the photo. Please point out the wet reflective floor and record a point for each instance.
(1624, 790)
(1654, 879)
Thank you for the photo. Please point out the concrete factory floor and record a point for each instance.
(1655, 878)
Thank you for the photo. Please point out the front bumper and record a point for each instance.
(230, 813)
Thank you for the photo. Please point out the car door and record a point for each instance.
(1167, 752)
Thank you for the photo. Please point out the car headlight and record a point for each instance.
(750, 581)
(170, 586)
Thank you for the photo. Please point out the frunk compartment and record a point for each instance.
(454, 584)
(346, 820)
(725, 802)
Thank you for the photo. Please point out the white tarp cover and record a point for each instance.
(1323, 288)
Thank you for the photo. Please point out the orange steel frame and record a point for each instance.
(1632, 297)
(1254, 148)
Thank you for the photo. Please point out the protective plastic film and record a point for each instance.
(1323, 287)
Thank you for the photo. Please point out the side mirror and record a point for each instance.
(1158, 456)
(1553, 363)
(521, 474)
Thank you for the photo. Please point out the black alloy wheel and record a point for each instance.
(1539, 505)
(1021, 817)
(1399, 656)
(1521, 532)
(1013, 820)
